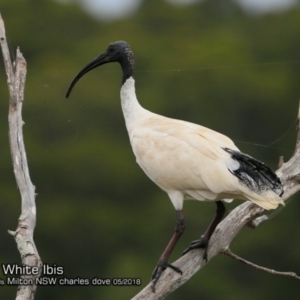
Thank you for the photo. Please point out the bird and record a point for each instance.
(186, 160)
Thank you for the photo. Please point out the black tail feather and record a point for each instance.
(255, 174)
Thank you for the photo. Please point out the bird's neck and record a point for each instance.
(127, 65)
(130, 105)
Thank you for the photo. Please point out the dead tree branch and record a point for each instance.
(229, 253)
(245, 214)
(16, 75)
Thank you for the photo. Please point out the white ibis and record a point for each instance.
(186, 160)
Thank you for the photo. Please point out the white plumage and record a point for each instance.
(185, 160)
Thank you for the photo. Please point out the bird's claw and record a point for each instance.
(160, 267)
(201, 243)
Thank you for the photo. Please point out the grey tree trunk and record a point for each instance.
(16, 75)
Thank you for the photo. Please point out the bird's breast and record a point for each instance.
(170, 163)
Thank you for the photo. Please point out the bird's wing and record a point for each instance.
(179, 155)
(182, 156)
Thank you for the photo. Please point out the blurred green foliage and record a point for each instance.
(98, 214)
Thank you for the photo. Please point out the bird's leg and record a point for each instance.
(203, 241)
(163, 261)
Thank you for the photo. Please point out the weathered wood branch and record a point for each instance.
(234, 256)
(247, 213)
(16, 75)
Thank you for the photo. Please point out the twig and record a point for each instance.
(231, 254)
(24, 233)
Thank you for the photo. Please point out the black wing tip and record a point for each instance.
(255, 174)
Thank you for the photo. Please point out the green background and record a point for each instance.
(98, 215)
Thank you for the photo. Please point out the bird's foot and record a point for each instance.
(201, 243)
(160, 267)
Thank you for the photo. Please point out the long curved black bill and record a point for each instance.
(100, 60)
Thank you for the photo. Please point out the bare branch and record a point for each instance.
(245, 214)
(27, 220)
(229, 253)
